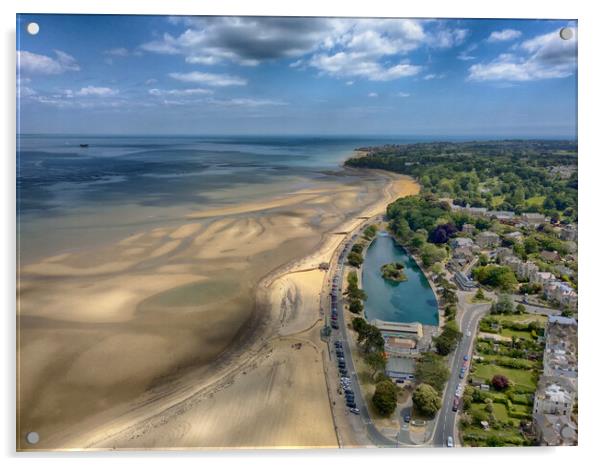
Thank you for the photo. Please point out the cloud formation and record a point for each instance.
(209, 79)
(29, 62)
(504, 35)
(544, 57)
(372, 49)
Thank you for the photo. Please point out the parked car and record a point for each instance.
(407, 418)
(456, 404)
(465, 357)
(354, 410)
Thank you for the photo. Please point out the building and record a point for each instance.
(511, 261)
(526, 270)
(398, 329)
(462, 256)
(562, 293)
(488, 239)
(502, 253)
(569, 233)
(555, 395)
(541, 278)
(514, 236)
(552, 430)
(560, 354)
(533, 218)
(456, 243)
(550, 256)
(464, 282)
(501, 214)
(468, 228)
(401, 369)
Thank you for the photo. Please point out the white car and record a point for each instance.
(450, 442)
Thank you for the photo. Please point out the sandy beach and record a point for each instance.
(200, 335)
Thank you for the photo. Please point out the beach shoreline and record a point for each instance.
(267, 331)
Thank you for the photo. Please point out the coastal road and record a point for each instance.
(363, 421)
(469, 320)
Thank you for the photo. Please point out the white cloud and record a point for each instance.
(375, 46)
(357, 65)
(465, 55)
(403, 94)
(179, 92)
(430, 76)
(543, 57)
(504, 35)
(372, 94)
(246, 102)
(349, 83)
(94, 91)
(210, 79)
(29, 62)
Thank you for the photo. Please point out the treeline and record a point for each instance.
(501, 175)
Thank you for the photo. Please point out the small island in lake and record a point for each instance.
(393, 272)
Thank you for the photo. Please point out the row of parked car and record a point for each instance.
(345, 380)
(458, 394)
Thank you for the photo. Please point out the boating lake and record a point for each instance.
(409, 301)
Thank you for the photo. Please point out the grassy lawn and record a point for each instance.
(521, 378)
(500, 412)
(494, 357)
(473, 435)
(535, 201)
(520, 318)
(508, 332)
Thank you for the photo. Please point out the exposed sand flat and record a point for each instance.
(253, 206)
(153, 354)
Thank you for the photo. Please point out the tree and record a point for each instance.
(354, 259)
(429, 253)
(359, 324)
(376, 361)
(520, 308)
(479, 294)
(496, 276)
(385, 397)
(356, 306)
(432, 370)
(500, 382)
(504, 305)
(447, 341)
(426, 400)
(442, 233)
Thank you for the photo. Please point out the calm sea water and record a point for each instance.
(409, 301)
(71, 197)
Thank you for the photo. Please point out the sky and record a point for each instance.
(111, 74)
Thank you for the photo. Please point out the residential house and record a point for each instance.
(552, 430)
(555, 395)
(541, 278)
(468, 228)
(488, 239)
(526, 270)
(514, 236)
(456, 243)
(550, 256)
(533, 219)
(561, 292)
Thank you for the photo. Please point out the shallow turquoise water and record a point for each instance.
(409, 301)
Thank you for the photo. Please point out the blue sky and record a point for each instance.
(247, 75)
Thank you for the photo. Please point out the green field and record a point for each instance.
(520, 318)
(535, 201)
(522, 379)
